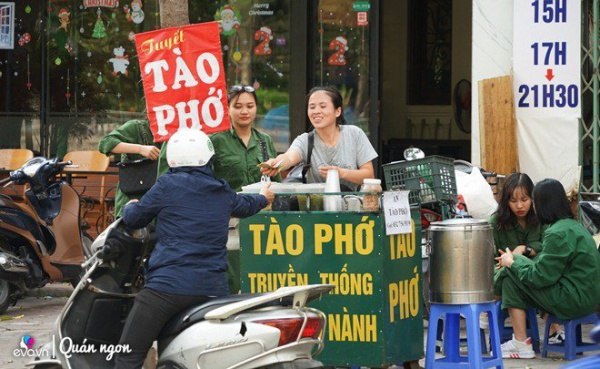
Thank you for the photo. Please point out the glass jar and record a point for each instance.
(371, 199)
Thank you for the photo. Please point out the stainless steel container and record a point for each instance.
(461, 268)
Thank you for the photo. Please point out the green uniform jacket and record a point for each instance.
(516, 236)
(135, 131)
(567, 270)
(236, 163)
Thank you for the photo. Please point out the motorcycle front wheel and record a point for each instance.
(5, 295)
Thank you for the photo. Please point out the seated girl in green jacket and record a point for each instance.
(562, 280)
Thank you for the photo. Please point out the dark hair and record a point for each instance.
(236, 90)
(336, 99)
(550, 200)
(505, 217)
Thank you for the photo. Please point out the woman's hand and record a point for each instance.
(149, 151)
(341, 171)
(271, 167)
(266, 192)
(506, 259)
(131, 201)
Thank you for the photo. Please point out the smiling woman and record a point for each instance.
(338, 146)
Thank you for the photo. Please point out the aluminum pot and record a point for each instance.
(461, 268)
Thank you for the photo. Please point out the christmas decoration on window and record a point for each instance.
(229, 20)
(68, 93)
(64, 18)
(137, 14)
(264, 35)
(99, 30)
(28, 74)
(340, 45)
(120, 61)
(24, 39)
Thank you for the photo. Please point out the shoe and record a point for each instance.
(484, 322)
(556, 338)
(514, 349)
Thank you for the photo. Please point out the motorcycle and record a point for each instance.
(590, 211)
(274, 330)
(40, 241)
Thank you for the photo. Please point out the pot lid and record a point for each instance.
(455, 222)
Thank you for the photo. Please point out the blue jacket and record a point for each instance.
(192, 209)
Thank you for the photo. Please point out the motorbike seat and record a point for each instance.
(196, 313)
(592, 210)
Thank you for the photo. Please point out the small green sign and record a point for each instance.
(361, 6)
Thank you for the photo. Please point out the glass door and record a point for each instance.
(341, 55)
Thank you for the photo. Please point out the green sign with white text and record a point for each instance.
(361, 6)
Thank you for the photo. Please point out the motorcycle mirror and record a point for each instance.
(413, 153)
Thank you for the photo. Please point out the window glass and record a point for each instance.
(430, 50)
(91, 71)
(94, 79)
(20, 77)
(7, 16)
(255, 37)
(341, 55)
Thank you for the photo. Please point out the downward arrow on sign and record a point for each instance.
(549, 74)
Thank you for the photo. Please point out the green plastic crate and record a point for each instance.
(429, 179)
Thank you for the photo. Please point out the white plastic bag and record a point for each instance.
(477, 193)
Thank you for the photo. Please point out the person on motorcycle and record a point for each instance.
(188, 265)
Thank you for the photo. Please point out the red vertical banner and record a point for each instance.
(184, 80)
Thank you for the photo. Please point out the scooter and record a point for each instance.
(590, 210)
(40, 241)
(274, 330)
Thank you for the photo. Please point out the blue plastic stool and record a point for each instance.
(451, 337)
(506, 332)
(440, 332)
(573, 341)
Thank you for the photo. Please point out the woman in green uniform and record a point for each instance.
(133, 140)
(237, 154)
(562, 280)
(514, 224)
(238, 151)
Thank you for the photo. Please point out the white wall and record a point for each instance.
(492, 53)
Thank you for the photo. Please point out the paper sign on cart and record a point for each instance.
(396, 212)
(184, 79)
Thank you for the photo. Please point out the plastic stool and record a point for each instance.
(440, 331)
(506, 332)
(573, 343)
(451, 337)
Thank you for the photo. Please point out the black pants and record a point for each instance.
(151, 311)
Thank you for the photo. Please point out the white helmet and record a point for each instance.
(189, 148)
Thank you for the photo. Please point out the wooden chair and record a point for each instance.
(91, 187)
(11, 159)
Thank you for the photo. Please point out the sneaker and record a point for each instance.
(556, 338)
(484, 322)
(514, 349)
